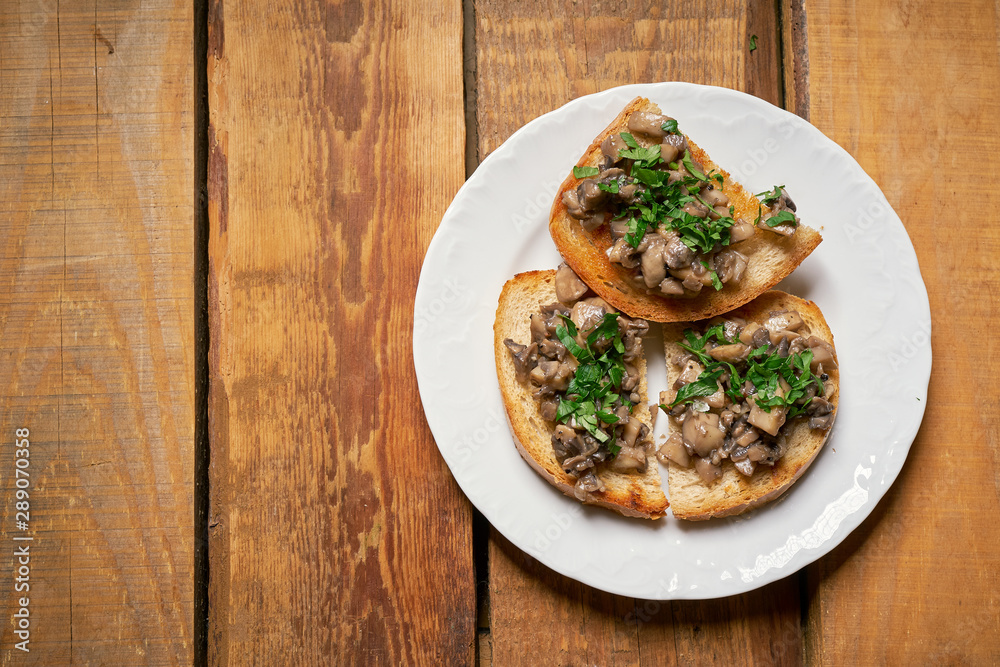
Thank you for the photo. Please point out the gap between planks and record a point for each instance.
(201, 333)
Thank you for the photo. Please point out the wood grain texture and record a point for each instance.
(337, 534)
(917, 583)
(534, 57)
(97, 326)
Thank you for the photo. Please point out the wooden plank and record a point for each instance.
(564, 51)
(917, 583)
(337, 533)
(97, 328)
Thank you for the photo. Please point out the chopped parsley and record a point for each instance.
(780, 218)
(585, 172)
(771, 196)
(659, 202)
(716, 283)
(594, 390)
(670, 127)
(764, 370)
(753, 43)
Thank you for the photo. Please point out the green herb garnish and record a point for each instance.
(670, 127)
(753, 43)
(781, 218)
(693, 170)
(593, 392)
(585, 172)
(765, 371)
(771, 196)
(716, 283)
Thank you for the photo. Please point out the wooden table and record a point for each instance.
(212, 221)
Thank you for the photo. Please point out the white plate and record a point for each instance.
(864, 276)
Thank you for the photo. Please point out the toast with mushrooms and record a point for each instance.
(661, 232)
(573, 378)
(753, 396)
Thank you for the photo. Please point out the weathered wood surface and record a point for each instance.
(918, 583)
(337, 534)
(563, 51)
(97, 327)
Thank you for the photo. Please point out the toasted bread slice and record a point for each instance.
(635, 495)
(772, 256)
(734, 493)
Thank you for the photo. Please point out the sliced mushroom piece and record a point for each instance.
(692, 369)
(552, 349)
(798, 345)
(676, 253)
(633, 429)
(741, 231)
(629, 460)
(784, 229)
(822, 353)
(569, 287)
(692, 284)
(654, 268)
(732, 353)
(612, 145)
(702, 432)
(769, 422)
(694, 277)
(759, 453)
(746, 466)
(785, 319)
(623, 253)
(590, 195)
(708, 472)
(749, 436)
(746, 335)
(573, 207)
(730, 265)
(593, 222)
(695, 208)
(619, 228)
(548, 408)
(671, 287)
(631, 193)
(716, 400)
(782, 349)
(820, 413)
(631, 378)
(679, 141)
(588, 313)
(546, 374)
(714, 196)
(648, 123)
(761, 337)
(673, 450)
(524, 357)
(587, 484)
(669, 152)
